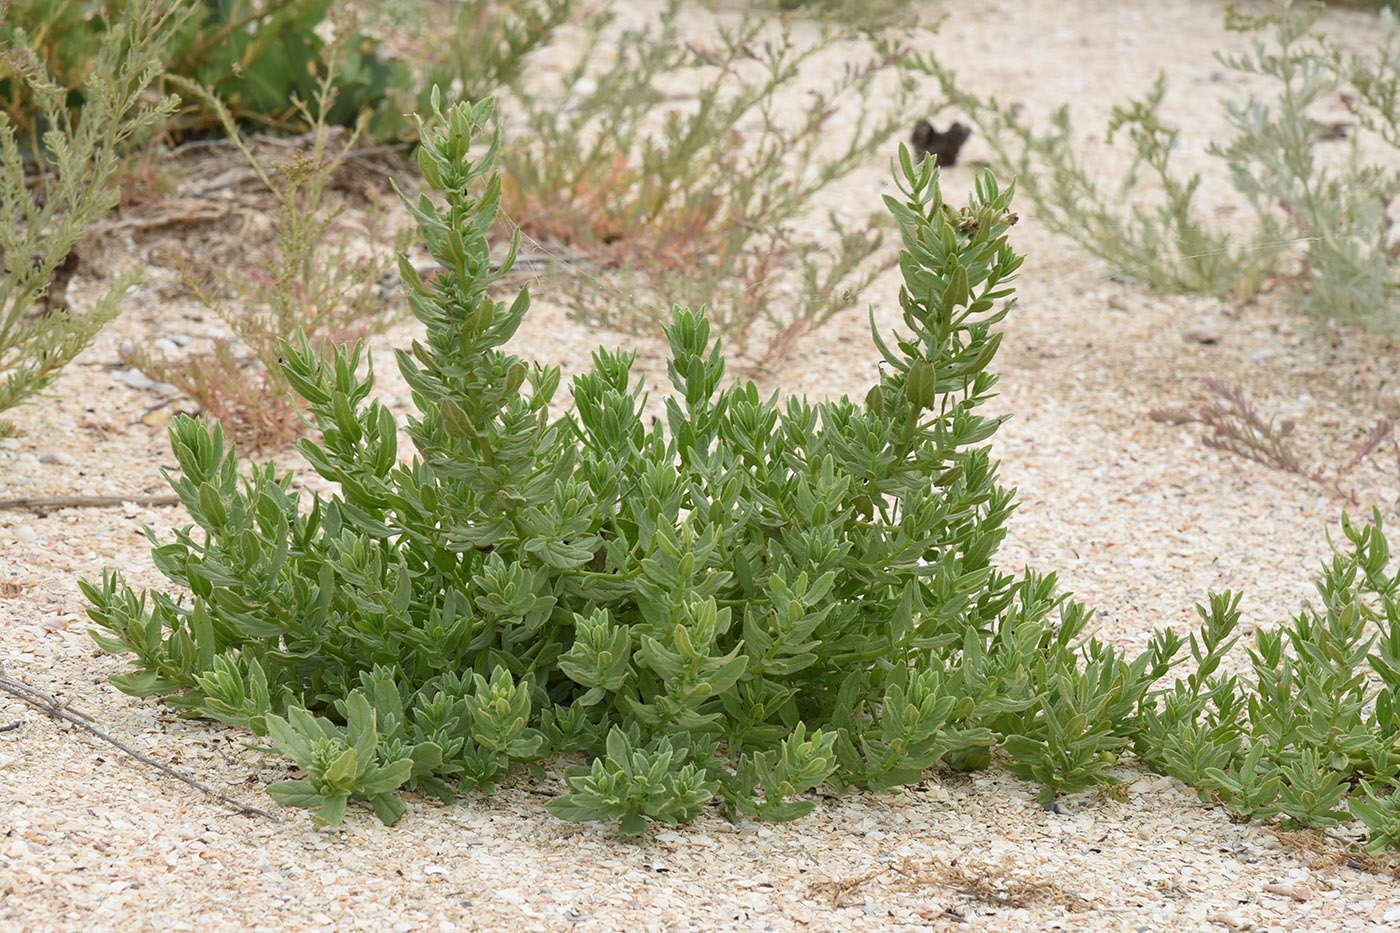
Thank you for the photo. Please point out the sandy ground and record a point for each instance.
(1139, 520)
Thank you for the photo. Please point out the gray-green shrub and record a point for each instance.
(74, 168)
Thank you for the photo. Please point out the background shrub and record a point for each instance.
(1333, 214)
(75, 163)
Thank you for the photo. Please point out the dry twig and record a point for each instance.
(50, 503)
(48, 704)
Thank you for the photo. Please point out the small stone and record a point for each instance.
(26, 460)
(26, 534)
(136, 379)
(1388, 401)
(8, 443)
(1200, 333)
(1055, 806)
(1259, 356)
(65, 458)
(165, 345)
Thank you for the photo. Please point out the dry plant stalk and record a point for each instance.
(1000, 885)
(312, 284)
(1234, 425)
(712, 207)
(1324, 850)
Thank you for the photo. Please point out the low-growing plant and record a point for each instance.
(705, 201)
(313, 283)
(74, 185)
(1335, 211)
(1316, 729)
(740, 603)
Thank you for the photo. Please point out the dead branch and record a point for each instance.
(50, 503)
(50, 706)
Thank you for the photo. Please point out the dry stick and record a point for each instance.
(47, 703)
(48, 503)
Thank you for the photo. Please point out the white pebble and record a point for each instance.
(136, 379)
(164, 345)
(26, 534)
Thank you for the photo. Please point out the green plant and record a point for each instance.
(488, 44)
(738, 605)
(1336, 213)
(77, 161)
(259, 57)
(1163, 242)
(1321, 715)
(711, 206)
(742, 603)
(312, 284)
(1381, 814)
(1350, 266)
(875, 14)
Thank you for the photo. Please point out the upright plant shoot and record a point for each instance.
(737, 604)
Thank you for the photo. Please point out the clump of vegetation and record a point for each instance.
(257, 57)
(1314, 736)
(73, 166)
(486, 50)
(738, 605)
(1335, 215)
(1351, 261)
(1164, 244)
(706, 200)
(314, 285)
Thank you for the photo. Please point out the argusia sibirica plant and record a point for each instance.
(741, 602)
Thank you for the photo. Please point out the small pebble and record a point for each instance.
(136, 379)
(26, 460)
(1388, 401)
(8, 443)
(26, 534)
(1055, 806)
(165, 345)
(65, 458)
(1200, 333)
